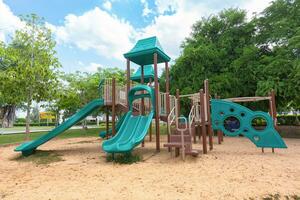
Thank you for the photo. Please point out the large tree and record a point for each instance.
(34, 76)
(242, 57)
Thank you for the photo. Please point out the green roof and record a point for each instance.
(143, 50)
(148, 74)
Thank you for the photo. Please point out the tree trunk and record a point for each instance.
(28, 119)
(8, 116)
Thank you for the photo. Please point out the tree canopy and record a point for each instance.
(242, 57)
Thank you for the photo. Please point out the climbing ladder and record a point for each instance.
(180, 137)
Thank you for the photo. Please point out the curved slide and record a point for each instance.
(28, 148)
(131, 134)
(103, 134)
(134, 128)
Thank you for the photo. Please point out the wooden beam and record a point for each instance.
(167, 98)
(203, 126)
(274, 110)
(128, 82)
(156, 103)
(113, 107)
(247, 99)
(209, 129)
(107, 123)
(142, 111)
(219, 133)
(178, 102)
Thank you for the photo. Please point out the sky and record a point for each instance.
(96, 33)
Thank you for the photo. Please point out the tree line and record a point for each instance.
(239, 56)
(243, 57)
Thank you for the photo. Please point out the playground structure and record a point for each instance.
(143, 102)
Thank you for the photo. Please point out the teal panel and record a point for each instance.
(233, 119)
(28, 148)
(148, 74)
(142, 52)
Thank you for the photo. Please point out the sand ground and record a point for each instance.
(234, 170)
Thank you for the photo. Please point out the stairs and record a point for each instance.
(176, 142)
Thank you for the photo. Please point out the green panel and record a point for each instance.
(224, 110)
(142, 52)
(148, 74)
(134, 128)
(28, 148)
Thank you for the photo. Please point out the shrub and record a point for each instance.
(123, 158)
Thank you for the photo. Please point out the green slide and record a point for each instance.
(134, 128)
(103, 134)
(28, 148)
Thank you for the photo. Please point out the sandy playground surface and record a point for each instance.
(234, 170)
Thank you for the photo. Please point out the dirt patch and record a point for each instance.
(234, 170)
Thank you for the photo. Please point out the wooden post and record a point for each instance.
(178, 102)
(107, 123)
(274, 110)
(113, 107)
(156, 103)
(128, 82)
(142, 111)
(219, 133)
(203, 126)
(209, 129)
(150, 130)
(167, 98)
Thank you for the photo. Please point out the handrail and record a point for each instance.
(169, 120)
(182, 136)
(191, 118)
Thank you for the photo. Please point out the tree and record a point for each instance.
(34, 76)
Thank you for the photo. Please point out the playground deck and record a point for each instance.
(234, 170)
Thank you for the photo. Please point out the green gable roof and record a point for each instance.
(143, 50)
(148, 74)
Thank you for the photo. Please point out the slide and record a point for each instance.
(135, 127)
(28, 148)
(103, 134)
(131, 134)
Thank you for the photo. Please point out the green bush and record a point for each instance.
(288, 120)
(123, 158)
(36, 124)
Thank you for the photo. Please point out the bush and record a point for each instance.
(288, 120)
(36, 124)
(124, 158)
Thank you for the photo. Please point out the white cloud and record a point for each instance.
(8, 21)
(255, 6)
(107, 5)
(93, 67)
(146, 10)
(98, 30)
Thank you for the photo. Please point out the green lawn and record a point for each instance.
(72, 133)
(16, 138)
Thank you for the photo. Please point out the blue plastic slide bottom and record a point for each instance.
(131, 133)
(28, 148)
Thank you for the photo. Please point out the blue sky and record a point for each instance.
(95, 33)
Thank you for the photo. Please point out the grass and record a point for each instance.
(41, 158)
(124, 158)
(72, 133)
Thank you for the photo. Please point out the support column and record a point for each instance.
(142, 111)
(156, 103)
(107, 123)
(178, 102)
(203, 126)
(167, 96)
(209, 129)
(113, 107)
(128, 81)
(150, 130)
(274, 110)
(219, 133)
